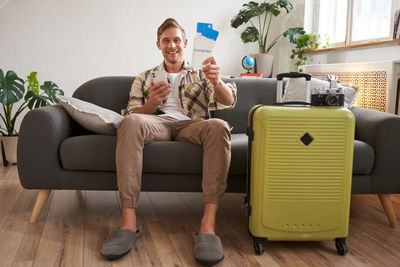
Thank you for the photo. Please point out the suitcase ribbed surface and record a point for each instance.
(296, 171)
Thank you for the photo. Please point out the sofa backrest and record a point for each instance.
(250, 92)
(107, 92)
(113, 93)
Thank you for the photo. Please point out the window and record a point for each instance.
(349, 22)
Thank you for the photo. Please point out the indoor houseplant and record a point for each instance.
(304, 44)
(12, 91)
(259, 29)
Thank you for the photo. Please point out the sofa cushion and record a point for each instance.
(90, 116)
(88, 153)
(295, 90)
(97, 153)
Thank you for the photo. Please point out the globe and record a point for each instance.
(248, 63)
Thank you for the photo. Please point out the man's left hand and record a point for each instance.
(211, 70)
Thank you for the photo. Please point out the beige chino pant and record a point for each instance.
(136, 130)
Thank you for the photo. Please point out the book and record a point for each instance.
(250, 75)
(396, 24)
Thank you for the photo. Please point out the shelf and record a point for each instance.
(380, 43)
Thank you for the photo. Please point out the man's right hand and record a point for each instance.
(159, 92)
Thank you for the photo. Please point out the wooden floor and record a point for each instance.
(74, 224)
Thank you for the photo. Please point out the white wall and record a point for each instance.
(72, 41)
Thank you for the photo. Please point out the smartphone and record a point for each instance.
(159, 76)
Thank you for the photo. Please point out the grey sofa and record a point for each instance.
(54, 152)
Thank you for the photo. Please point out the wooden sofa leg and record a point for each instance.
(388, 207)
(41, 199)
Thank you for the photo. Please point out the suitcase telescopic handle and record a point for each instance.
(301, 103)
(280, 76)
(279, 84)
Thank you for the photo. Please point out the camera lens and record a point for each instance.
(332, 100)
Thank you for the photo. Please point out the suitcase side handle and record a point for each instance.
(280, 76)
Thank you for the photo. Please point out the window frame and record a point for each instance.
(311, 20)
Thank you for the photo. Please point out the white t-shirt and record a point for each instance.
(172, 106)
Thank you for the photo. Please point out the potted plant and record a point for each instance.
(12, 90)
(259, 30)
(305, 44)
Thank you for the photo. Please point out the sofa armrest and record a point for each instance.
(381, 131)
(41, 133)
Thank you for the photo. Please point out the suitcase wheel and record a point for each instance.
(259, 246)
(341, 246)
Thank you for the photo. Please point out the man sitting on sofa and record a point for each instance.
(177, 110)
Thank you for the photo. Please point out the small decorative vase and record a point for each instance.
(264, 64)
(9, 144)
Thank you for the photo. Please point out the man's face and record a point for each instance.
(171, 44)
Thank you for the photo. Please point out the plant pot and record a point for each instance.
(264, 64)
(9, 147)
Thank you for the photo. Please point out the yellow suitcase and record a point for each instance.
(300, 163)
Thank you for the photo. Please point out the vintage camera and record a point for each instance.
(332, 97)
(327, 97)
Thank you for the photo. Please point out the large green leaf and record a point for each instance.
(254, 10)
(33, 83)
(260, 31)
(249, 35)
(11, 88)
(293, 34)
(285, 4)
(251, 7)
(36, 101)
(237, 20)
(272, 8)
(249, 10)
(51, 91)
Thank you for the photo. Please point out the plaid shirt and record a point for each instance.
(196, 93)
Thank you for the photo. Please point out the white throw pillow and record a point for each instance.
(90, 116)
(295, 90)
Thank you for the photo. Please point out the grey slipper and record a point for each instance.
(208, 249)
(119, 243)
